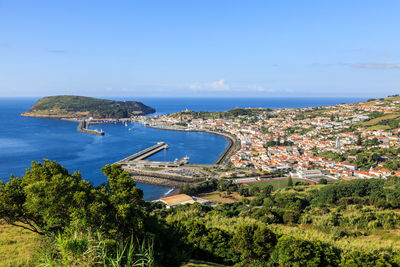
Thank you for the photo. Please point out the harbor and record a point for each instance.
(177, 173)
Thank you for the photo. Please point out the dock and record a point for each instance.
(141, 155)
(84, 127)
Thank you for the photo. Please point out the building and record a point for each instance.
(308, 174)
(338, 145)
(182, 199)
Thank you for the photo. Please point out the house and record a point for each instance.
(361, 174)
(182, 199)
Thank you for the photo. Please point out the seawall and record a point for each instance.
(83, 127)
(158, 181)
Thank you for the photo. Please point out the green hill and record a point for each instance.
(222, 114)
(80, 106)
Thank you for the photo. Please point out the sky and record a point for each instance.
(200, 48)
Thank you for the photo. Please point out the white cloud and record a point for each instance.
(219, 85)
(375, 65)
(260, 88)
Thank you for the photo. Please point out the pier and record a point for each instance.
(141, 155)
(84, 127)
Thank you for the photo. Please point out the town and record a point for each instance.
(346, 141)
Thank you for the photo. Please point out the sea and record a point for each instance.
(26, 139)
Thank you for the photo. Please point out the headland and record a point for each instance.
(69, 106)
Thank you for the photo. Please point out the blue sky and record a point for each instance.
(200, 48)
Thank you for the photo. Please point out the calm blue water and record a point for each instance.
(24, 139)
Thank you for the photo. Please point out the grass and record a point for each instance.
(378, 127)
(379, 239)
(229, 224)
(277, 184)
(218, 196)
(17, 246)
(376, 121)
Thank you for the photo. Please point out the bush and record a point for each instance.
(291, 217)
(210, 244)
(357, 258)
(253, 242)
(290, 251)
(323, 181)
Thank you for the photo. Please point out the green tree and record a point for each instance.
(45, 199)
(48, 199)
(290, 182)
(254, 242)
(357, 258)
(244, 191)
(266, 191)
(210, 244)
(323, 181)
(126, 201)
(290, 251)
(359, 141)
(254, 190)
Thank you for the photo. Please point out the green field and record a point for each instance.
(17, 246)
(220, 197)
(379, 119)
(277, 184)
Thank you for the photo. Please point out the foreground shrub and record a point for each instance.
(357, 258)
(290, 251)
(254, 242)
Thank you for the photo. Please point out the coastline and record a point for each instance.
(50, 116)
(232, 147)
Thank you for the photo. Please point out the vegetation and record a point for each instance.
(80, 106)
(382, 121)
(236, 112)
(351, 223)
(272, 143)
(17, 245)
(367, 158)
(278, 184)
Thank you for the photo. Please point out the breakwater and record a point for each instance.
(141, 155)
(158, 181)
(162, 178)
(83, 126)
(174, 177)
